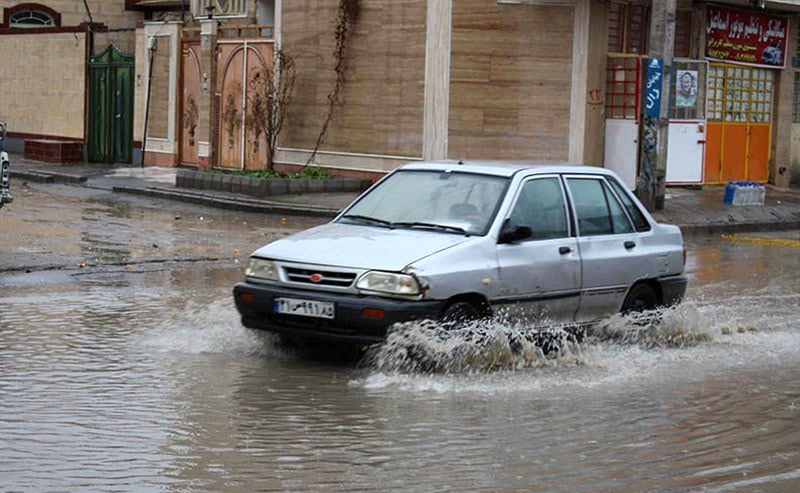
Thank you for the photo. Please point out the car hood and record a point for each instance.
(360, 247)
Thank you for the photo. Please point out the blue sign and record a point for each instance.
(652, 87)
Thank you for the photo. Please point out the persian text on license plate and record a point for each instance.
(304, 308)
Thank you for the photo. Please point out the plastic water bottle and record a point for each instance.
(747, 197)
(730, 189)
(738, 194)
(762, 194)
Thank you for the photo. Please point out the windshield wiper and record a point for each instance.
(368, 219)
(438, 227)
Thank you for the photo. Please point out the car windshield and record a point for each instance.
(450, 202)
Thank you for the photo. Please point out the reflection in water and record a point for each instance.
(144, 379)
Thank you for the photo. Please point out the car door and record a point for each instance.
(541, 275)
(611, 254)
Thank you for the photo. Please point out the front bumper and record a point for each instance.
(349, 323)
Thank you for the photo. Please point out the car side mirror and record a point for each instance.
(513, 233)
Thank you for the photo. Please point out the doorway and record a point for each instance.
(111, 106)
(740, 102)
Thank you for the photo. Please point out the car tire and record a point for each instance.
(640, 298)
(461, 311)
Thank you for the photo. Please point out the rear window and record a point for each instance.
(639, 221)
(594, 217)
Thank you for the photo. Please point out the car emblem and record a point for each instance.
(315, 277)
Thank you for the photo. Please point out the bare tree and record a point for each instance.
(346, 19)
(269, 96)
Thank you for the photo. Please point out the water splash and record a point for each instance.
(211, 328)
(429, 346)
(432, 347)
(672, 327)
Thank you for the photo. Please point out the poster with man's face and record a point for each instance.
(686, 88)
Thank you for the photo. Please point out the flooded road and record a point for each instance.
(123, 367)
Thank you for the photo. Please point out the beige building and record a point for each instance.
(550, 80)
(46, 49)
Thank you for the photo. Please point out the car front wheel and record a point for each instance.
(461, 311)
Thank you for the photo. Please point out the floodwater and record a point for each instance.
(123, 367)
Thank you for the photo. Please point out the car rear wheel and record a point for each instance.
(640, 298)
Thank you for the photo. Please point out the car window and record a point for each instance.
(638, 218)
(619, 220)
(455, 199)
(540, 206)
(591, 206)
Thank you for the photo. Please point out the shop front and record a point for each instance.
(746, 49)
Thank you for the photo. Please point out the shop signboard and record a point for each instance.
(744, 36)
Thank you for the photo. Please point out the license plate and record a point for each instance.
(304, 308)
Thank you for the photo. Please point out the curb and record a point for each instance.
(46, 177)
(237, 204)
(721, 228)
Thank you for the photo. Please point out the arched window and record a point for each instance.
(31, 18)
(30, 15)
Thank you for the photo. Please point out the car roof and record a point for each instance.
(504, 168)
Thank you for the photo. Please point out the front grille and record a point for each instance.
(339, 279)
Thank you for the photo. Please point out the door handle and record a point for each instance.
(629, 244)
(564, 250)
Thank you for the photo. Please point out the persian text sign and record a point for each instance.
(652, 87)
(738, 35)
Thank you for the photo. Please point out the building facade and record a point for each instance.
(549, 80)
(47, 48)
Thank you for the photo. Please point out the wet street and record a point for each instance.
(123, 366)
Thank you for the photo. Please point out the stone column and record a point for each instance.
(780, 165)
(206, 120)
(437, 79)
(588, 85)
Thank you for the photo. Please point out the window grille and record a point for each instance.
(637, 29)
(616, 29)
(716, 92)
(31, 18)
(796, 57)
(629, 27)
(739, 94)
(222, 8)
(796, 100)
(683, 33)
(622, 87)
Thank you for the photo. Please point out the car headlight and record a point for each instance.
(261, 268)
(388, 282)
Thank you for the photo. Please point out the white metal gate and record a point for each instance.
(687, 122)
(623, 80)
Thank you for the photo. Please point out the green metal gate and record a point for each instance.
(111, 106)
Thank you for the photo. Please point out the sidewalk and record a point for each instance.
(695, 211)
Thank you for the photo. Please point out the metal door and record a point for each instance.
(241, 65)
(541, 276)
(190, 99)
(739, 123)
(687, 122)
(111, 106)
(613, 255)
(622, 112)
